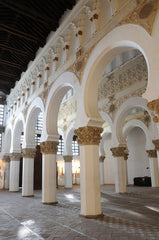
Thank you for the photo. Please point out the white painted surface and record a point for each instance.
(68, 174)
(120, 176)
(101, 167)
(14, 176)
(90, 180)
(138, 161)
(28, 177)
(154, 172)
(49, 178)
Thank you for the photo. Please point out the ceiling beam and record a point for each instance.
(15, 50)
(7, 74)
(11, 64)
(18, 33)
(6, 83)
(28, 13)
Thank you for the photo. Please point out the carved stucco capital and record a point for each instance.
(118, 151)
(68, 158)
(15, 156)
(49, 147)
(6, 158)
(89, 135)
(28, 152)
(154, 108)
(152, 153)
(101, 158)
(156, 143)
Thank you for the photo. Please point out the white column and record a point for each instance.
(152, 154)
(68, 171)
(49, 150)
(101, 166)
(6, 160)
(14, 172)
(126, 166)
(156, 143)
(89, 138)
(28, 172)
(120, 176)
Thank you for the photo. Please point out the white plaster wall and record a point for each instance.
(108, 163)
(138, 160)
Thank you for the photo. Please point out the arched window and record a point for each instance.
(60, 146)
(38, 128)
(75, 146)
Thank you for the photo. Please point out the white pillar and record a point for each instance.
(6, 160)
(101, 166)
(89, 138)
(152, 154)
(14, 172)
(28, 172)
(49, 150)
(120, 176)
(156, 143)
(126, 166)
(68, 171)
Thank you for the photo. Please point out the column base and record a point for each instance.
(92, 216)
(27, 195)
(13, 191)
(50, 203)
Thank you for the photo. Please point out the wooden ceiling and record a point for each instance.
(24, 27)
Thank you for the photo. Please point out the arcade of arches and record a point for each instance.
(90, 102)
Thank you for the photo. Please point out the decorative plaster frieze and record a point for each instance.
(152, 153)
(144, 14)
(89, 135)
(154, 107)
(123, 78)
(49, 147)
(28, 152)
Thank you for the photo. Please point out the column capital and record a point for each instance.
(15, 156)
(101, 158)
(152, 153)
(154, 107)
(118, 151)
(49, 147)
(89, 135)
(68, 158)
(156, 143)
(6, 158)
(28, 152)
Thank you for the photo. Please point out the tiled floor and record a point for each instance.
(130, 216)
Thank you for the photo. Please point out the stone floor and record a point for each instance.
(130, 216)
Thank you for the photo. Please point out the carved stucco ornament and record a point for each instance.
(143, 15)
(89, 135)
(156, 143)
(152, 153)
(80, 62)
(119, 152)
(101, 158)
(154, 108)
(6, 158)
(68, 158)
(49, 147)
(28, 152)
(15, 156)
